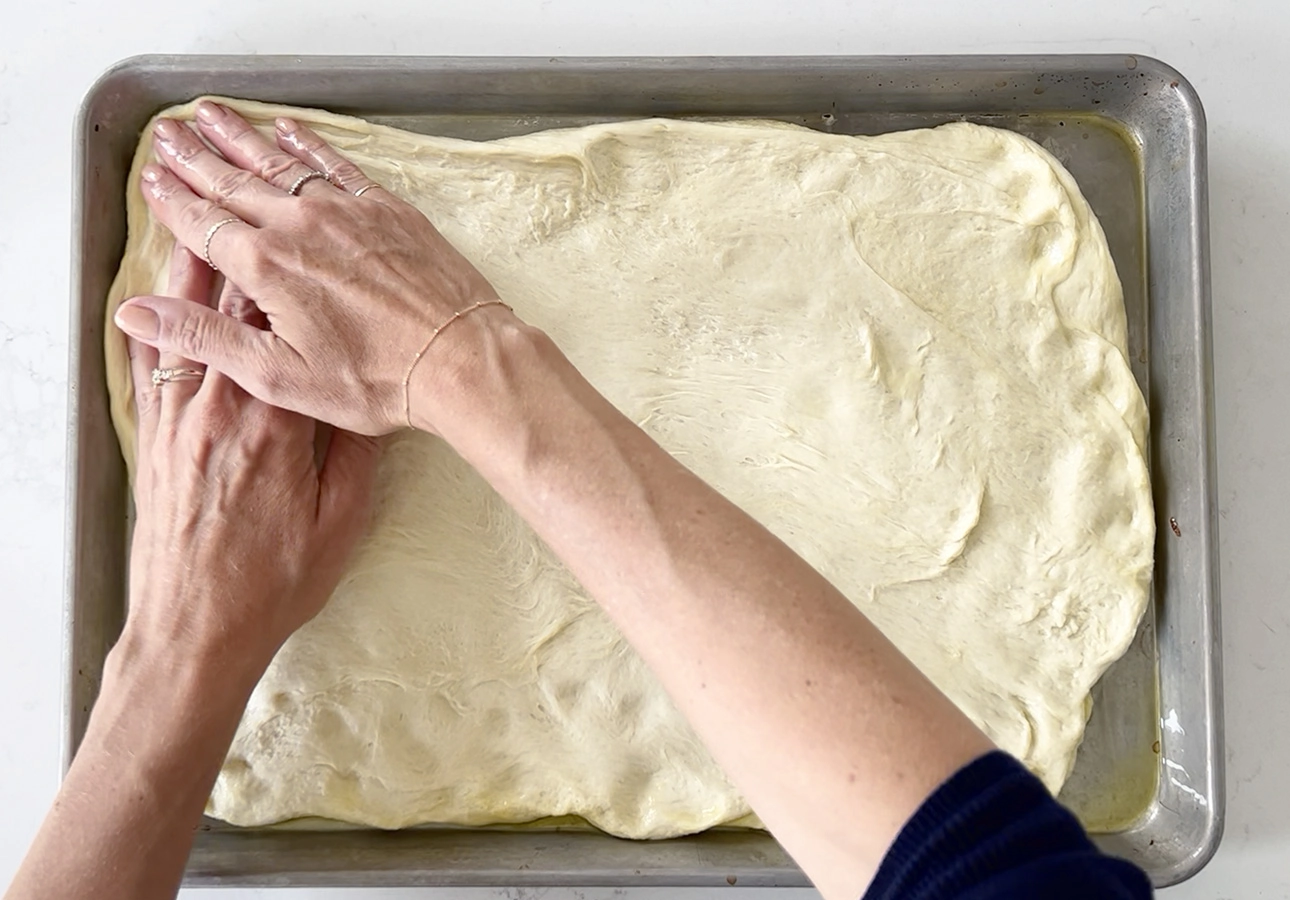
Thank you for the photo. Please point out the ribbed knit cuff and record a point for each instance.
(993, 826)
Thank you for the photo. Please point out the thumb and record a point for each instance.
(257, 360)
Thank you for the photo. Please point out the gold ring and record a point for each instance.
(304, 179)
(210, 233)
(365, 188)
(165, 376)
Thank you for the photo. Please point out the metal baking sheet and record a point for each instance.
(1149, 778)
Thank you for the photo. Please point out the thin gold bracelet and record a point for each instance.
(407, 379)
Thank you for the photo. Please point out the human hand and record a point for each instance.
(352, 286)
(240, 536)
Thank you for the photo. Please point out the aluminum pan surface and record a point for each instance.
(1129, 128)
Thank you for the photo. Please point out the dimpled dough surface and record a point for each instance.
(904, 354)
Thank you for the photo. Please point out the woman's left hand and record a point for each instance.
(241, 535)
(240, 538)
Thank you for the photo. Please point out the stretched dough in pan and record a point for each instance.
(904, 354)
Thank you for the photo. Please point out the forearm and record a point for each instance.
(122, 824)
(834, 736)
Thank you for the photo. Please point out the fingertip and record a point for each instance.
(234, 302)
(293, 137)
(209, 112)
(159, 182)
(137, 320)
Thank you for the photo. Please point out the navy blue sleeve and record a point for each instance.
(993, 832)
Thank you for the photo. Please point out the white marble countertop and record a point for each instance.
(50, 52)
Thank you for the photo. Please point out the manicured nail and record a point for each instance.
(284, 126)
(138, 322)
(167, 133)
(151, 173)
(209, 112)
(167, 128)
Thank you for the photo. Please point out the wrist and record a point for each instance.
(147, 658)
(162, 722)
(467, 371)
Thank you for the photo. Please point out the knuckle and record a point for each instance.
(193, 336)
(256, 442)
(261, 256)
(216, 419)
(228, 184)
(193, 216)
(280, 168)
(272, 379)
(237, 305)
(347, 173)
(239, 132)
(312, 207)
(187, 151)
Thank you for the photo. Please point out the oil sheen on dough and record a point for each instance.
(904, 354)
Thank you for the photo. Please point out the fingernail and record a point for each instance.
(138, 322)
(151, 173)
(166, 133)
(167, 128)
(284, 126)
(209, 112)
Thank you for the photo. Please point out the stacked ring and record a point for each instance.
(210, 233)
(304, 179)
(165, 376)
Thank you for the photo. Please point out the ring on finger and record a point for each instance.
(176, 373)
(304, 179)
(365, 188)
(210, 233)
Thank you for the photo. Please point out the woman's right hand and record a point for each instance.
(353, 287)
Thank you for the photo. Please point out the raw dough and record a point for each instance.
(904, 354)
